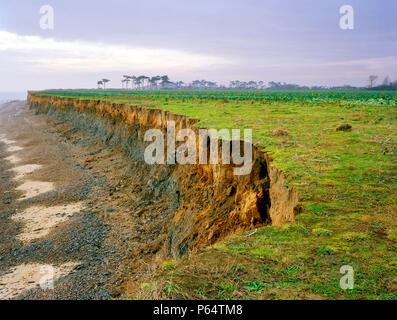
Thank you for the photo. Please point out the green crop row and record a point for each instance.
(325, 96)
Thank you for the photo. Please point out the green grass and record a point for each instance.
(347, 182)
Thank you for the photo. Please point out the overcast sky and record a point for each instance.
(296, 41)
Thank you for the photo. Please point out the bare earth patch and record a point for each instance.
(21, 171)
(38, 221)
(13, 159)
(35, 188)
(7, 141)
(14, 149)
(28, 276)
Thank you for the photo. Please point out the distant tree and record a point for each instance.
(165, 81)
(275, 85)
(252, 85)
(146, 82)
(196, 84)
(210, 85)
(132, 80)
(142, 81)
(138, 82)
(180, 84)
(154, 81)
(100, 83)
(201, 84)
(126, 80)
(386, 81)
(371, 80)
(104, 81)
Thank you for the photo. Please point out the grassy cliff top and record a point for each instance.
(347, 180)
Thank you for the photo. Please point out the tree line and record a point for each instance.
(131, 82)
(386, 84)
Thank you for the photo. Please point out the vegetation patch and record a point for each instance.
(321, 232)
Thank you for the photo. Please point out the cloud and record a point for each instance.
(48, 54)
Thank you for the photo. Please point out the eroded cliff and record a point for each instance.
(206, 202)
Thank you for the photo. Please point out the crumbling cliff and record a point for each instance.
(208, 201)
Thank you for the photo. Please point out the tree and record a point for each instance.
(180, 84)
(165, 80)
(100, 83)
(104, 81)
(145, 79)
(142, 80)
(372, 79)
(153, 81)
(131, 79)
(126, 80)
(138, 82)
(386, 81)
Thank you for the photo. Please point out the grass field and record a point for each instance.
(347, 181)
(368, 97)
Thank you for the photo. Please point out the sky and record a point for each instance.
(294, 41)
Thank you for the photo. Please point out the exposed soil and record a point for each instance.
(75, 192)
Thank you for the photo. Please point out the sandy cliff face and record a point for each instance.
(209, 202)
